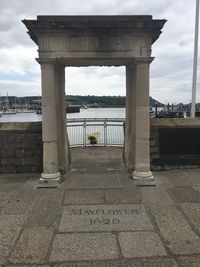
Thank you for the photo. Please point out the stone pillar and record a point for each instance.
(49, 122)
(142, 121)
(130, 117)
(63, 143)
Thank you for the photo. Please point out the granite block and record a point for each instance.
(84, 246)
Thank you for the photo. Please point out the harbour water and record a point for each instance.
(84, 113)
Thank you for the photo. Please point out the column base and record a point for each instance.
(50, 177)
(142, 175)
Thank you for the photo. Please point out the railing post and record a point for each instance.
(105, 133)
(84, 133)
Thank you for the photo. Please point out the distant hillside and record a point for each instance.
(153, 102)
(103, 101)
(90, 100)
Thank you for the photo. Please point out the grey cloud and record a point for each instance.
(171, 71)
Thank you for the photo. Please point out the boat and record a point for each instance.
(84, 107)
(6, 109)
(9, 112)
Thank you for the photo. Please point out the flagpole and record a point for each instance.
(194, 80)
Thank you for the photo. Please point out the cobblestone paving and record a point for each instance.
(102, 218)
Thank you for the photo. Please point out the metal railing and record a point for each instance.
(109, 132)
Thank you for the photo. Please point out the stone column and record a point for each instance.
(130, 116)
(63, 143)
(49, 122)
(142, 122)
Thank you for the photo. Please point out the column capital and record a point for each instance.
(142, 60)
(45, 61)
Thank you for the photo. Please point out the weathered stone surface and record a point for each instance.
(176, 231)
(49, 200)
(125, 195)
(184, 194)
(4, 197)
(197, 188)
(14, 178)
(193, 261)
(10, 227)
(160, 179)
(21, 147)
(10, 186)
(32, 247)
(155, 196)
(87, 246)
(177, 178)
(120, 217)
(194, 176)
(141, 244)
(156, 262)
(49, 218)
(84, 196)
(192, 210)
(32, 265)
(95, 180)
(21, 202)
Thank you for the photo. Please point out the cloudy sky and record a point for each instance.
(171, 71)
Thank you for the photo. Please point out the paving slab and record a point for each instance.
(177, 178)
(155, 196)
(126, 180)
(176, 231)
(48, 218)
(184, 194)
(96, 180)
(10, 227)
(123, 195)
(33, 245)
(194, 176)
(192, 261)
(156, 262)
(84, 196)
(14, 178)
(68, 180)
(10, 186)
(21, 202)
(141, 245)
(197, 188)
(161, 180)
(49, 200)
(96, 218)
(84, 246)
(32, 265)
(192, 210)
(32, 183)
(4, 197)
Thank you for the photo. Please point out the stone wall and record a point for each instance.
(175, 143)
(20, 147)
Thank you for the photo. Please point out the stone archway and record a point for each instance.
(94, 41)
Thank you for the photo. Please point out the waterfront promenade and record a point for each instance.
(99, 217)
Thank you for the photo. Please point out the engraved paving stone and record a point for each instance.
(122, 217)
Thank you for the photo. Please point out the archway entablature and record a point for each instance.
(86, 62)
(94, 36)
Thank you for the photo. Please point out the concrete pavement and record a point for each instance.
(99, 217)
